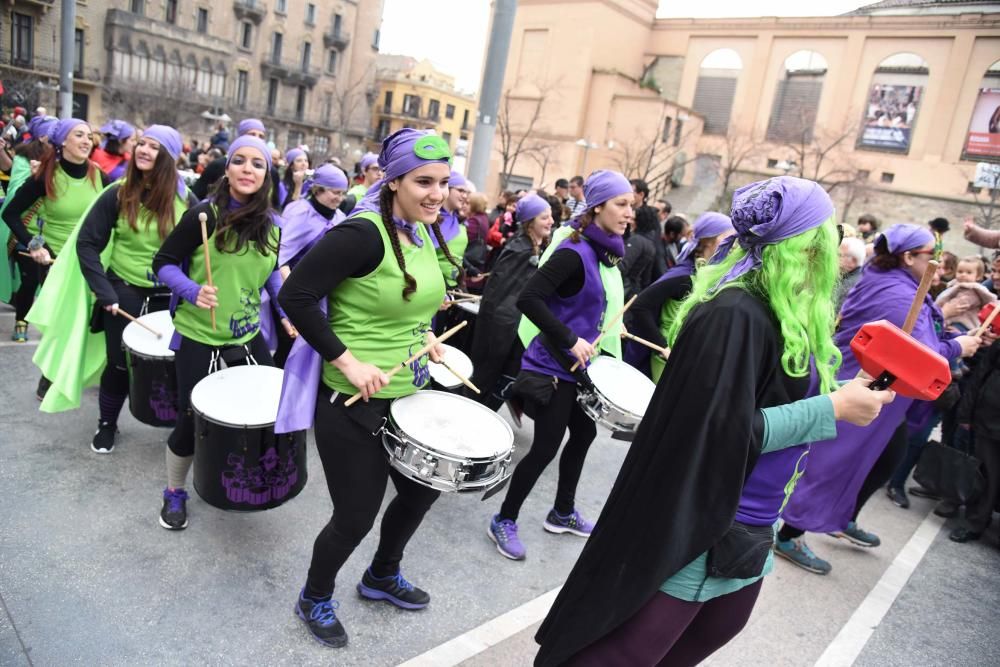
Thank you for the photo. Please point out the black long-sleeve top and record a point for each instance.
(31, 191)
(648, 307)
(561, 274)
(352, 249)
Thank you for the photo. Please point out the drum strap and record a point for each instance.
(371, 416)
(232, 355)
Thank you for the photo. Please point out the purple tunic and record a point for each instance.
(304, 226)
(824, 499)
(582, 313)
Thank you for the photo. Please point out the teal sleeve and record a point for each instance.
(807, 420)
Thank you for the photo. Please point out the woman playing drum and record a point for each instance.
(378, 275)
(577, 288)
(134, 217)
(243, 251)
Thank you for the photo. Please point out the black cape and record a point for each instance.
(680, 485)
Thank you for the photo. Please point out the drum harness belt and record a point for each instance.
(231, 354)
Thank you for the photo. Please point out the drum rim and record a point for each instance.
(597, 390)
(201, 413)
(147, 357)
(147, 319)
(391, 420)
(246, 427)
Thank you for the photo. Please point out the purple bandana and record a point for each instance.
(705, 227)
(902, 237)
(368, 159)
(329, 176)
(168, 138)
(252, 142)
(291, 155)
(249, 124)
(42, 126)
(770, 211)
(529, 207)
(118, 129)
(63, 128)
(410, 229)
(603, 185)
(456, 180)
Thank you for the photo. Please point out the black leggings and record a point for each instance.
(493, 375)
(878, 476)
(551, 422)
(192, 361)
(32, 275)
(356, 470)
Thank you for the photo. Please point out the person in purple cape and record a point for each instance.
(362, 300)
(576, 290)
(651, 312)
(843, 474)
(673, 589)
(292, 185)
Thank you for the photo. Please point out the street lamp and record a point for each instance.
(586, 146)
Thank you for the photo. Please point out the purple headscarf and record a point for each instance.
(118, 129)
(42, 126)
(902, 237)
(770, 211)
(368, 159)
(248, 124)
(602, 185)
(252, 142)
(291, 155)
(168, 138)
(63, 128)
(456, 180)
(529, 207)
(329, 176)
(705, 227)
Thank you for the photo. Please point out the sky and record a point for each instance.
(465, 24)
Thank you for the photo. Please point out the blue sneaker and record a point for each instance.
(173, 516)
(321, 619)
(857, 536)
(394, 589)
(572, 523)
(799, 553)
(503, 532)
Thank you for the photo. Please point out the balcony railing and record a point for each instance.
(250, 10)
(292, 74)
(336, 39)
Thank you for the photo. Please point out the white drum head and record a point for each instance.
(469, 306)
(240, 396)
(143, 342)
(452, 425)
(455, 358)
(623, 385)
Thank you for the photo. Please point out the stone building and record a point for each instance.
(306, 68)
(415, 94)
(891, 106)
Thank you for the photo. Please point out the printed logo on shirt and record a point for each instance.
(248, 320)
(420, 368)
(151, 277)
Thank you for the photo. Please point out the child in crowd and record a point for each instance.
(964, 296)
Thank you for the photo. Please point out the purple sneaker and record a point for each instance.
(394, 589)
(173, 516)
(504, 533)
(572, 523)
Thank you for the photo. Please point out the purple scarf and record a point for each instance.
(610, 247)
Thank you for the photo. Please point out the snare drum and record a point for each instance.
(239, 462)
(448, 442)
(620, 397)
(152, 380)
(444, 379)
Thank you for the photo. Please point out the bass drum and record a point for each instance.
(152, 379)
(239, 462)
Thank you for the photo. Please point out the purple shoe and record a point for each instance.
(504, 533)
(394, 589)
(572, 523)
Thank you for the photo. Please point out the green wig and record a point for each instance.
(797, 279)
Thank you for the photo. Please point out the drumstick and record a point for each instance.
(416, 355)
(918, 299)
(989, 320)
(461, 377)
(610, 324)
(203, 219)
(462, 300)
(28, 254)
(140, 323)
(465, 295)
(642, 341)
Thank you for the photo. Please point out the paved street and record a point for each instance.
(87, 576)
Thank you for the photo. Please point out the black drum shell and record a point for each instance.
(152, 388)
(235, 470)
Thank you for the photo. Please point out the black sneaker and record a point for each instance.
(321, 619)
(898, 496)
(947, 509)
(104, 438)
(174, 516)
(43, 387)
(394, 589)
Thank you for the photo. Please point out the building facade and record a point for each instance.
(891, 106)
(414, 94)
(306, 68)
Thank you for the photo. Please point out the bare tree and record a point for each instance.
(348, 97)
(171, 102)
(654, 153)
(739, 148)
(541, 154)
(824, 156)
(516, 139)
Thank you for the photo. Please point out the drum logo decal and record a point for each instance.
(163, 402)
(248, 320)
(421, 371)
(153, 278)
(272, 479)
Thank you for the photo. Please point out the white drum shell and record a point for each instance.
(144, 343)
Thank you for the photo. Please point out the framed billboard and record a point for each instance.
(983, 140)
(890, 117)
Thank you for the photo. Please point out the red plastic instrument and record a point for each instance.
(986, 316)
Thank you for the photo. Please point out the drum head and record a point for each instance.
(143, 342)
(455, 358)
(452, 425)
(239, 396)
(469, 306)
(623, 385)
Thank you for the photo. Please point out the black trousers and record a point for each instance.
(357, 468)
(493, 374)
(192, 361)
(551, 422)
(32, 275)
(979, 513)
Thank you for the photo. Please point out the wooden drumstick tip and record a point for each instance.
(203, 218)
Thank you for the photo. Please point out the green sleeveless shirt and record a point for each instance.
(132, 251)
(60, 214)
(239, 278)
(457, 246)
(377, 325)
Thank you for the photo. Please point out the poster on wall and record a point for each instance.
(983, 140)
(890, 117)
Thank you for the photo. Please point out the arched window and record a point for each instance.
(140, 62)
(796, 99)
(174, 67)
(983, 141)
(713, 95)
(894, 102)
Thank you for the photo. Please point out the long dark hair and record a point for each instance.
(160, 188)
(287, 178)
(252, 222)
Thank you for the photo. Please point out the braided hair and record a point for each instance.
(439, 235)
(385, 209)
